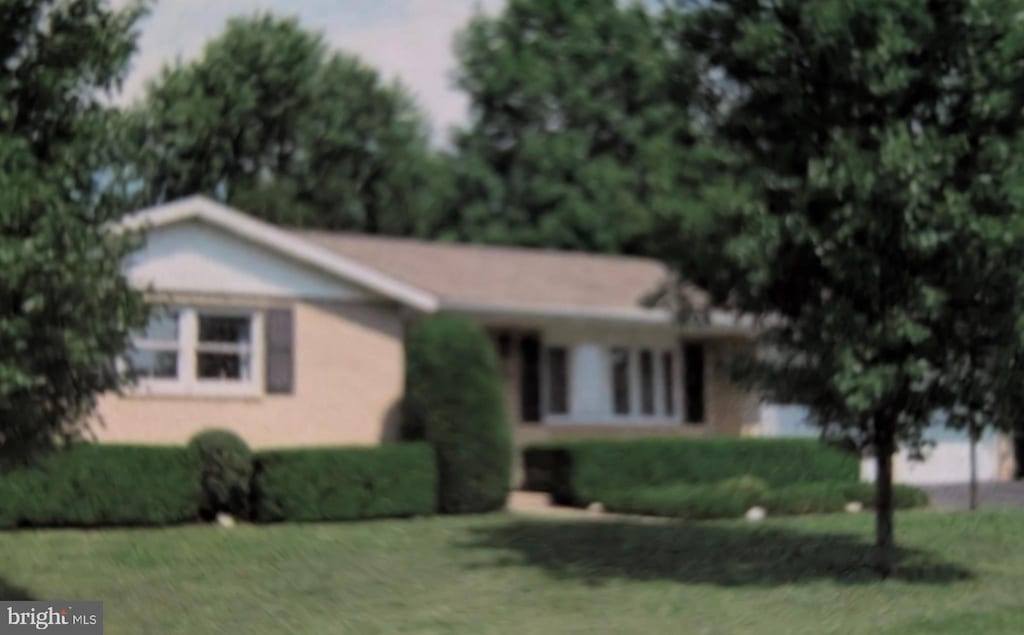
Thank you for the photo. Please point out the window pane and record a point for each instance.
(225, 329)
(668, 372)
(558, 381)
(647, 382)
(158, 364)
(620, 380)
(162, 327)
(232, 366)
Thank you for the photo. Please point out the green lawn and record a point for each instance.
(961, 573)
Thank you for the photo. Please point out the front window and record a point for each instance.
(224, 349)
(558, 380)
(620, 380)
(646, 382)
(154, 354)
(189, 350)
(642, 384)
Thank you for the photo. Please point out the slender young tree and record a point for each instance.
(881, 141)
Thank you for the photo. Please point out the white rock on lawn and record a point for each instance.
(596, 508)
(755, 514)
(225, 520)
(854, 507)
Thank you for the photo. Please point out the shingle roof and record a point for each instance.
(505, 276)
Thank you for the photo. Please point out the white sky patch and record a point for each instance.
(410, 40)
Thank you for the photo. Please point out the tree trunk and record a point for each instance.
(974, 468)
(884, 448)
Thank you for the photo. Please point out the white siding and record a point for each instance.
(193, 256)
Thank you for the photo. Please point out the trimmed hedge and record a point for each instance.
(319, 484)
(727, 499)
(579, 472)
(733, 497)
(91, 485)
(225, 462)
(454, 402)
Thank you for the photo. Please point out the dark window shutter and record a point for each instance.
(693, 378)
(280, 351)
(529, 381)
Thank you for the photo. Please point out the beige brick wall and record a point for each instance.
(349, 374)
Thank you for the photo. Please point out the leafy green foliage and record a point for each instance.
(274, 123)
(579, 472)
(882, 144)
(226, 464)
(731, 498)
(575, 140)
(97, 485)
(695, 502)
(319, 484)
(454, 401)
(65, 308)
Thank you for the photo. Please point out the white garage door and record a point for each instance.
(948, 461)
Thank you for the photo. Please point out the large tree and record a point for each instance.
(573, 138)
(65, 308)
(269, 119)
(883, 231)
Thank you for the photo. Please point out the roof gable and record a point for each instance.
(281, 242)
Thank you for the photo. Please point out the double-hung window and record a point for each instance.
(154, 355)
(187, 350)
(643, 384)
(224, 347)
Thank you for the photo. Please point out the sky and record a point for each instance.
(406, 39)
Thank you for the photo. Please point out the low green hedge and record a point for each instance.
(733, 497)
(730, 498)
(93, 485)
(579, 472)
(319, 484)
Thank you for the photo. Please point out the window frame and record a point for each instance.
(188, 382)
(159, 346)
(661, 415)
(547, 377)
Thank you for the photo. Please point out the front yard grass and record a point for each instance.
(960, 573)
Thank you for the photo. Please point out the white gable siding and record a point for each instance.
(196, 257)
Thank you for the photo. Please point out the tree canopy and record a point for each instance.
(575, 139)
(270, 120)
(882, 144)
(65, 308)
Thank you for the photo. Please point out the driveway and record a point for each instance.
(990, 494)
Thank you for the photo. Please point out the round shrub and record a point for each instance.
(226, 471)
(454, 402)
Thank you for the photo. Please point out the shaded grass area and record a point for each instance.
(702, 553)
(958, 573)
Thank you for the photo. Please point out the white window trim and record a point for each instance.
(659, 418)
(545, 374)
(187, 383)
